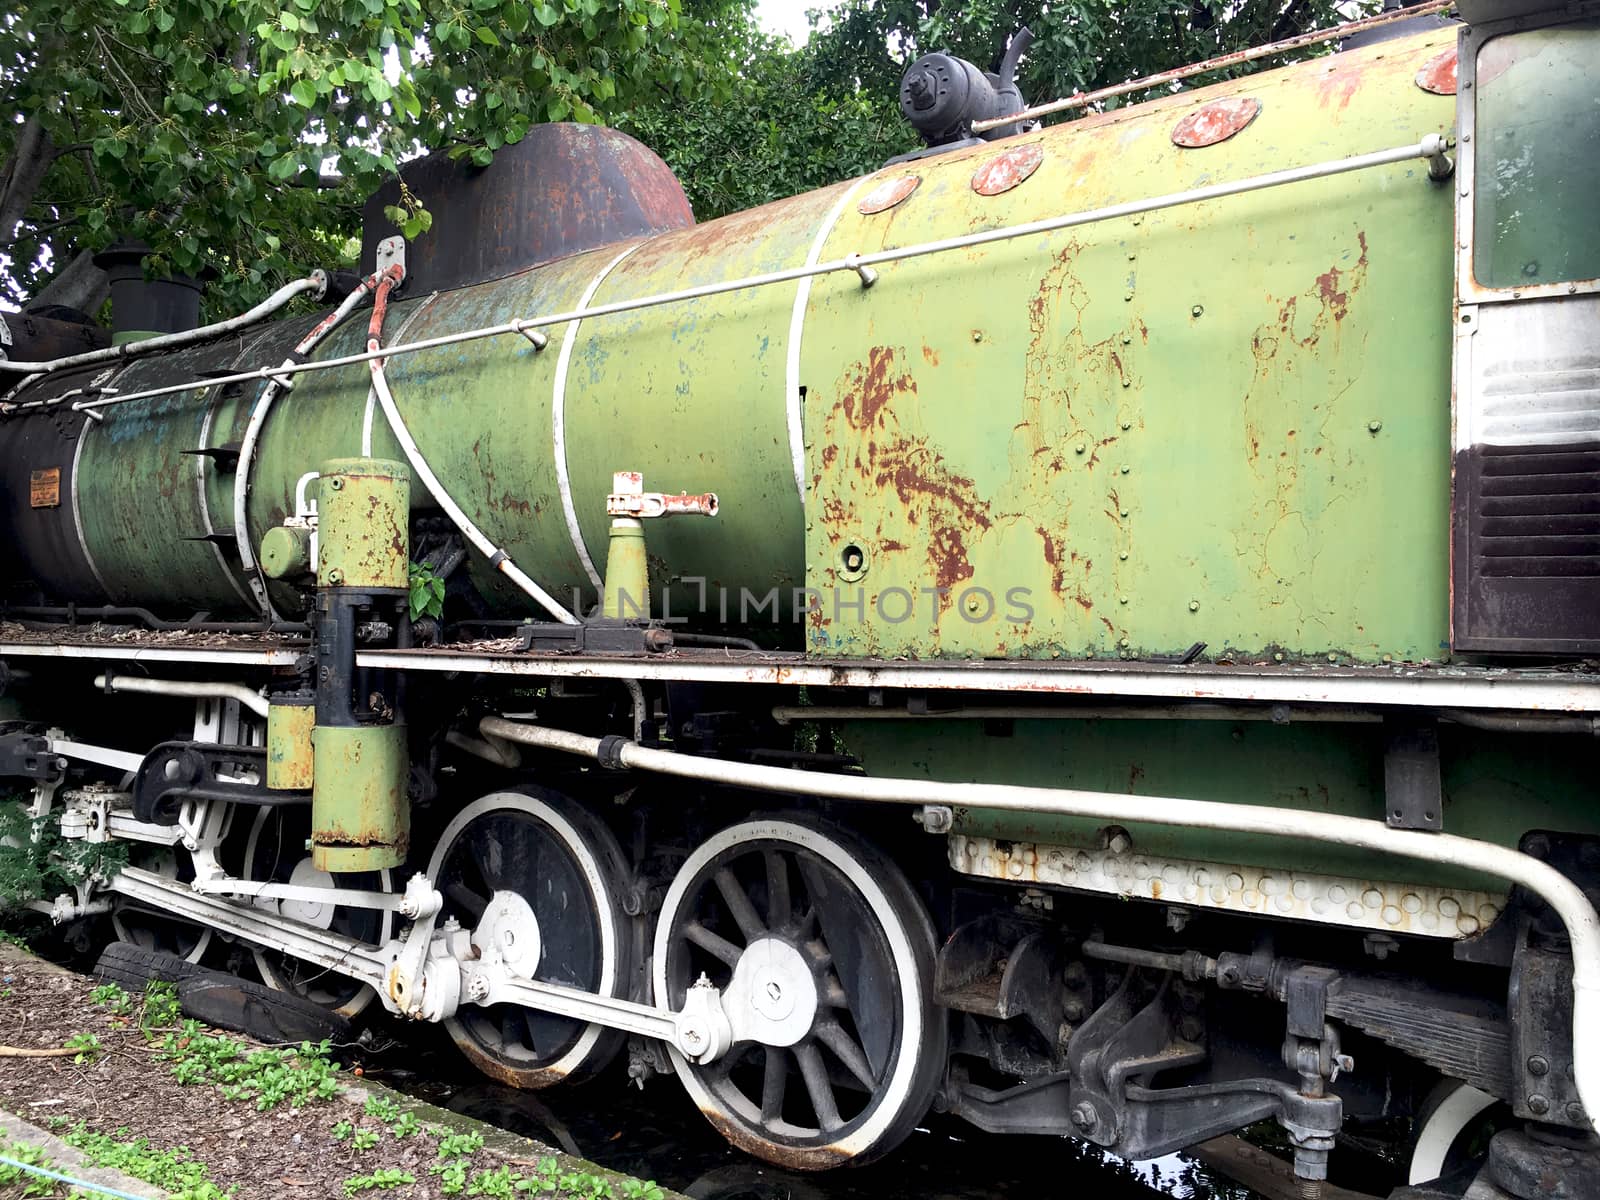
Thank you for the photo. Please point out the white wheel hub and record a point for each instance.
(772, 998)
(316, 913)
(509, 935)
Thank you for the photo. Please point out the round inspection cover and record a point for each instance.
(1438, 74)
(888, 194)
(1007, 169)
(1215, 122)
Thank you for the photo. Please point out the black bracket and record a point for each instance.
(1413, 797)
(595, 637)
(25, 754)
(177, 771)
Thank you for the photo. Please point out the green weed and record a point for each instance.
(382, 1180)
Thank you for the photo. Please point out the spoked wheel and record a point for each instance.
(1453, 1129)
(824, 956)
(554, 876)
(276, 853)
(150, 929)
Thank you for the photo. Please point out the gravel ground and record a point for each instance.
(129, 1091)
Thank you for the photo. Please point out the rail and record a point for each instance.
(1433, 148)
(316, 282)
(1220, 63)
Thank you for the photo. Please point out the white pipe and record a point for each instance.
(252, 434)
(1559, 892)
(788, 714)
(1430, 147)
(496, 556)
(194, 690)
(316, 282)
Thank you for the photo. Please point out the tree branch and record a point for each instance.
(23, 174)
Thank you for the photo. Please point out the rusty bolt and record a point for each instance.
(973, 604)
(1072, 1010)
(977, 335)
(1124, 469)
(1333, 658)
(1197, 311)
(1278, 656)
(1084, 1118)
(1538, 1105)
(1122, 554)
(1080, 447)
(1122, 512)
(336, 483)
(1538, 1064)
(1374, 426)
(1122, 599)
(1132, 256)
(335, 576)
(1126, 382)
(1127, 338)
(1128, 295)
(1123, 642)
(1575, 1113)
(1127, 425)
(1194, 606)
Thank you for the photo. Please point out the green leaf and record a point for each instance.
(304, 93)
(283, 167)
(482, 155)
(486, 35)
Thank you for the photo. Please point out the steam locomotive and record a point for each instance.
(1088, 629)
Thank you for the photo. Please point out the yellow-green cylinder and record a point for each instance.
(363, 536)
(289, 753)
(627, 586)
(286, 552)
(360, 815)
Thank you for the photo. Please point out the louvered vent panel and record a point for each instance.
(1527, 479)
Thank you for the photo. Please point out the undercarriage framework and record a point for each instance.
(692, 869)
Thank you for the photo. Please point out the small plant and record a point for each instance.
(459, 1145)
(270, 1077)
(342, 1131)
(427, 592)
(6, 993)
(112, 997)
(452, 1175)
(383, 1180)
(160, 1005)
(500, 1183)
(382, 1108)
(24, 1184)
(174, 1170)
(86, 1047)
(407, 1125)
(364, 1139)
(642, 1189)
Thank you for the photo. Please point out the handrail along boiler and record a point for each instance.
(1086, 628)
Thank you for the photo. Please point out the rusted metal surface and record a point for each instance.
(1215, 122)
(563, 189)
(1438, 74)
(1220, 63)
(1007, 169)
(888, 194)
(1372, 904)
(39, 337)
